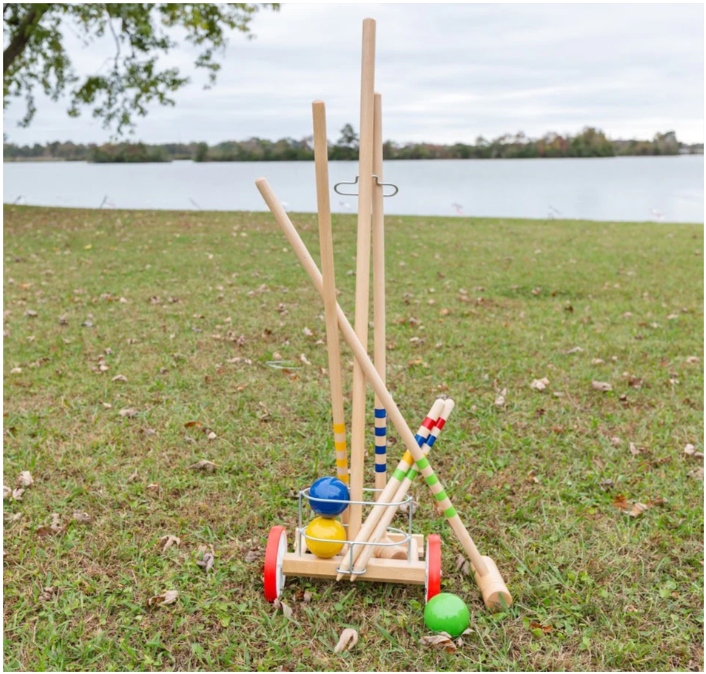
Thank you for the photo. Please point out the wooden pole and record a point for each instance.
(329, 286)
(362, 279)
(487, 575)
(380, 531)
(379, 338)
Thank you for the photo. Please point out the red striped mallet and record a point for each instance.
(380, 531)
(487, 576)
(390, 488)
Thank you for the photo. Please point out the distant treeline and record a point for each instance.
(589, 143)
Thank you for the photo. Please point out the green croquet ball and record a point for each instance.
(447, 613)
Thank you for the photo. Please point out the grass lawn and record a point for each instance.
(188, 307)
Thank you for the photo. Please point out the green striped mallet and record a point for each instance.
(492, 586)
(380, 531)
(390, 489)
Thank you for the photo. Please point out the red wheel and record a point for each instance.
(274, 557)
(432, 584)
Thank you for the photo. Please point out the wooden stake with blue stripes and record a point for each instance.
(380, 531)
(379, 338)
(329, 288)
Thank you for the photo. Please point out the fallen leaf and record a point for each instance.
(108, 406)
(204, 465)
(164, 599)
(206, 561)
(634, 450)
(500, 401)
(601, 386)
(25, 479)
(133, 477)
(538, 626)
(463, 565)
(347, 640)
(47, 594)
(307, 332)
(192, 424)
(128, 412)
(253, 556)
(637, 509)
(6, 493)
(689, 449)
(307, 597)
(286, 610)
(693, 359)
(697, 473)
(304, 360)
(441, 641)
(17, 494)
(539, 384)
(81, 517)
(597, 361)
(575, 349)
(212, 436)
(153, 487)
(31, 314)
(119, 377)
(167, 541)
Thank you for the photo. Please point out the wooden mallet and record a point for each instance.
(488, 577)
(380, 531)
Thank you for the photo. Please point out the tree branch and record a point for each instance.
(21, 37)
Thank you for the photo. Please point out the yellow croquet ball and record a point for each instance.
(329, 529)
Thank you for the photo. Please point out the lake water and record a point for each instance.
(621, 188)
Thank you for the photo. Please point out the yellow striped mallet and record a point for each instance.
(487, 576)
(380, 531)
(329, 292)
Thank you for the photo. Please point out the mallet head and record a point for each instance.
(492, 587)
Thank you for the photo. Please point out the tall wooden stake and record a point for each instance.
(379, 338)
(329, 278)
(362, 281)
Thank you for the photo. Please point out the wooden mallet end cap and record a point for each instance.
(492, 587)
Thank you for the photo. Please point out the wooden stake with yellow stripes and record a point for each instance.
(390, 488)
(329, 291)
(380, 531)
(487, 575)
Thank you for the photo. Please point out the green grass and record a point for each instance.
(535, 481)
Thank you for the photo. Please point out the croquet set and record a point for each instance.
(338, 543)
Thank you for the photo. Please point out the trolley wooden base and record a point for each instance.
(378, 570)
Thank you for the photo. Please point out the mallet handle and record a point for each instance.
(373, 377)
(362, 278)
(329, 291)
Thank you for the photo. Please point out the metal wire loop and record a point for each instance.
(355, 182)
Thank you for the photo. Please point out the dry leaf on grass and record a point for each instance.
(616, 441)
(192, 424)
(601, 386)
(286, 610)
(253, 556)
(692, 359)
(697, 473)
(307, 597)
(25, 479)
(441, 641)
(81, 517)
(304, 359)
(167, 541)
(120, 377)
(347, 640)
(207, 466)
(539, 384)
(597, 361)
(635, 509)
(128, 412)
(576, 349)
(211, 436)
(153, 487)
(6, 493)
(634, 449)
(463, 565)
(164, 599)
(206, 561)
(48, 593)
(538, 626)
(133, 476)
(17, 494)
(307, 332)
(53, 529)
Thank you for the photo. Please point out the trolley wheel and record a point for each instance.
(432, 582)
(274, 557)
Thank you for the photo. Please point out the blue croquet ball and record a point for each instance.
(321, 493)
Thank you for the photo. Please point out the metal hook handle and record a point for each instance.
(355, 182)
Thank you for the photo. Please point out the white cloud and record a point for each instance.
(447, 73)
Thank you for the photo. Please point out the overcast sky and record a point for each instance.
(447, 73)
